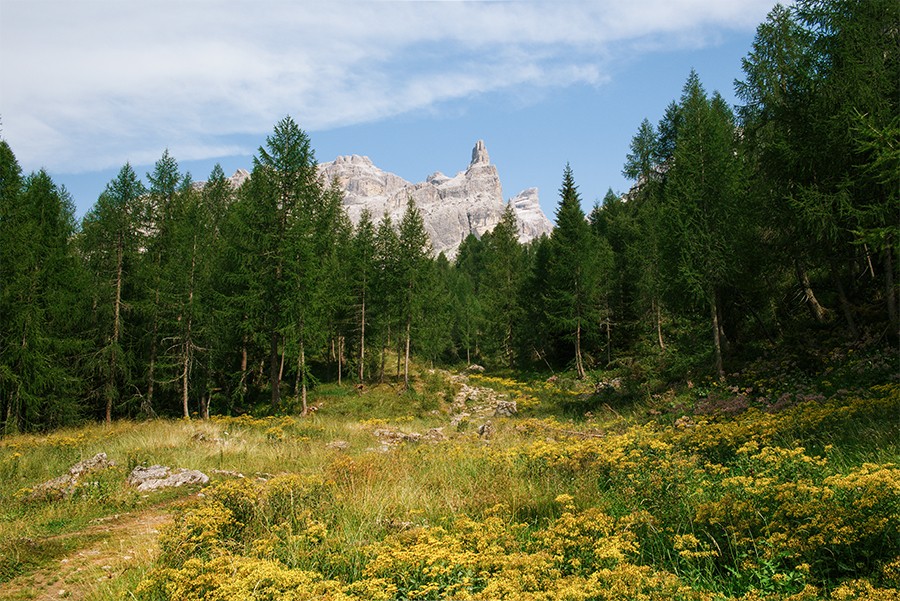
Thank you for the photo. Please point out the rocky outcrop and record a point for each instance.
(65, 485)
(471, 202)
(531, 219)
(156, 477)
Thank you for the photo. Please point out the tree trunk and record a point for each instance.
(384, 344)
(406, 361)
(399, 356)
(714, 313)
(579, 366)
(658, 315)
(281, 362)
(608, 342)
(151, 376)
(869, 265)
(723, 337)
(274, 380)
(187, 338)
(10, 426)
(303, 377)
(362, 341)
(184, 384)
(890, 292)
(817, 311)
(846, 308)
(340, 353)
(243, 383)
(117, 316)
(147, 407)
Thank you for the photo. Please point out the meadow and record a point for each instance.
(783, 482)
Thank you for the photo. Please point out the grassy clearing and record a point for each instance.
(715, 491)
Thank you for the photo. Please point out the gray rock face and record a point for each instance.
(532, 221)
(471, 202)
(160, 476)
(65, 485)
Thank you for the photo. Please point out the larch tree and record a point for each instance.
(159, 223)
(284, 190)
(386, 287)
(40, 301)
(703, 205)
(110, 239)
(414, 253)
(361, 271)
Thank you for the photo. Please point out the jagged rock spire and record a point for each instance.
(480, 155)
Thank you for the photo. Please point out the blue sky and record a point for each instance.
(89, 85)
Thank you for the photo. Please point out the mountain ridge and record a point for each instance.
(470, 202)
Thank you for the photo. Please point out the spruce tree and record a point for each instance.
(574, 273)
(503, 267)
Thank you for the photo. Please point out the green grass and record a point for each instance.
(626, 458)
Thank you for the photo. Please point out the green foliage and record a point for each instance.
(42, 283)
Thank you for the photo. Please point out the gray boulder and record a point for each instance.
(156, 477)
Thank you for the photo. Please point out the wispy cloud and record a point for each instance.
(88, 85)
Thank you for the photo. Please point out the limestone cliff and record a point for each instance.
(471, 202)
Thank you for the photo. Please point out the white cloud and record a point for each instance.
(88, 85)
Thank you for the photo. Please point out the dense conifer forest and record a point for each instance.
(767, 227)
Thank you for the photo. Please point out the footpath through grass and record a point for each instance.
(754, 489)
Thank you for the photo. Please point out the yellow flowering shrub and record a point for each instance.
(754, 507)
(204, 532)
(231, 578)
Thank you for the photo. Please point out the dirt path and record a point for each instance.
(119, 544)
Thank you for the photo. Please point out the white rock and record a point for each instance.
(159, 476)
(471, 202)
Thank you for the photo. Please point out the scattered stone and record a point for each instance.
(475, 369)
(390, 437)
(201, 437)
(434, 435)
(65, 485)
(459, 418)
(604, 385)
(156, 477)
(339, 445)
(505, 409)
(486, 430)
(684, 422)
(229, 473)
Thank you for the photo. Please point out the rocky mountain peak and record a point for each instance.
(471, 202)
(480, 155)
